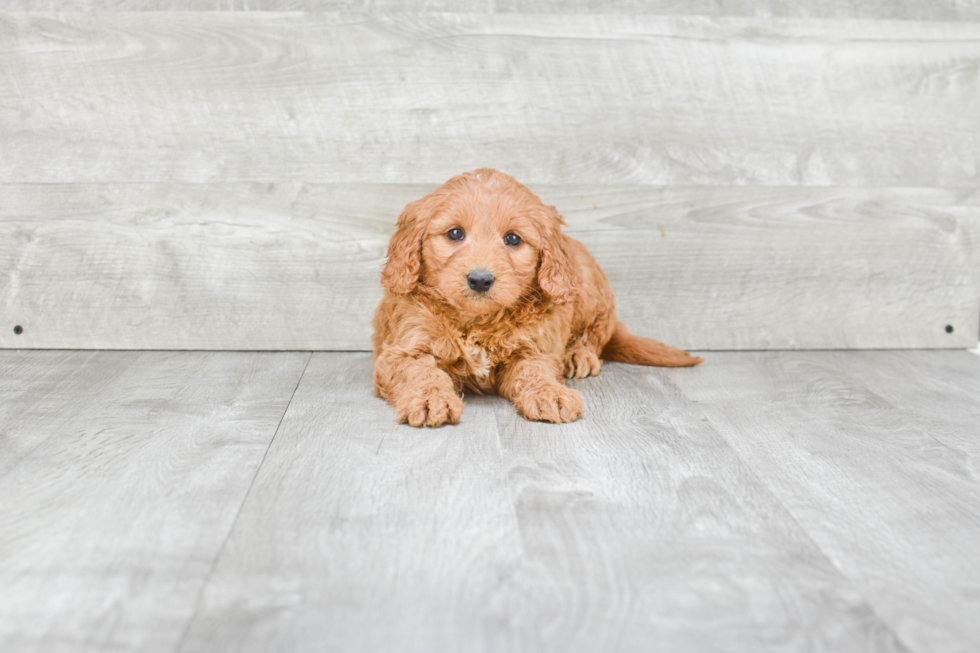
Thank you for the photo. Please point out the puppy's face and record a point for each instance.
(482, 241)
(480, 248)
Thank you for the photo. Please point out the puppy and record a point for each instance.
(485, 294)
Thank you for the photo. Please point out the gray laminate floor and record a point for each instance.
(161, 501)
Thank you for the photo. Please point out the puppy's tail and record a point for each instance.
(627, 348)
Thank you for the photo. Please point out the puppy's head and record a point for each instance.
(483, 242)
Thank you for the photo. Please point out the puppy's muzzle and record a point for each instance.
(480, 280)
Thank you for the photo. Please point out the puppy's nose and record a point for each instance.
(480, 280)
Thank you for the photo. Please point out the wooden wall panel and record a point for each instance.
(550, 98)
(762, 174)
(295, 266)
(875, 9)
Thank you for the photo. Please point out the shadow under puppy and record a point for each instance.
(485, 294)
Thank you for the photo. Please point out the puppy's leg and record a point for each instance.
(421, 393)
(581, 361)
(582, 355)
(534, 385)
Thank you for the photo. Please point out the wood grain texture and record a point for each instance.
(634, 529)
(947, 10)
(194, 267)
(888, 492)
(647, 532)
(295, 266)
(938, 391)
(30, 377)
(128, 471)
(550, 98)
(764, 501)
(363, 534)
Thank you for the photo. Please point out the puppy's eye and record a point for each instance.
(512, 240)
(455, 234)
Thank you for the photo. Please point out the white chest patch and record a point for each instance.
(479, 361)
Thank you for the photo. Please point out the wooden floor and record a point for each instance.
(791, 501)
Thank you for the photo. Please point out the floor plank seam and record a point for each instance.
(234, 523)
(806, 532)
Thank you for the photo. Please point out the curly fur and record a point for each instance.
(549, 314)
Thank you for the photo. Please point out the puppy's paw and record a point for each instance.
(555, 403)
(580, 363)
(432, 408)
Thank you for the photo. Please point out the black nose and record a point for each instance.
(480, 280)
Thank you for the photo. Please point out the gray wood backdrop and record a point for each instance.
(226, 174)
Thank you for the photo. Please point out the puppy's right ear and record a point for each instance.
(403, 269)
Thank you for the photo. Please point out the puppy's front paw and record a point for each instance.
(432, 408)
(580, 363)
(551, 404)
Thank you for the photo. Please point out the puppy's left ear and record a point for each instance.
(556, 276)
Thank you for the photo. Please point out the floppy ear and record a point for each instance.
(556, 276)
(402, 270)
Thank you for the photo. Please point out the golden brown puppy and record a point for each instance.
(485, 294)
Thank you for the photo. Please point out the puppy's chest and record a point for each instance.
(483, 354)
(480, 357)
